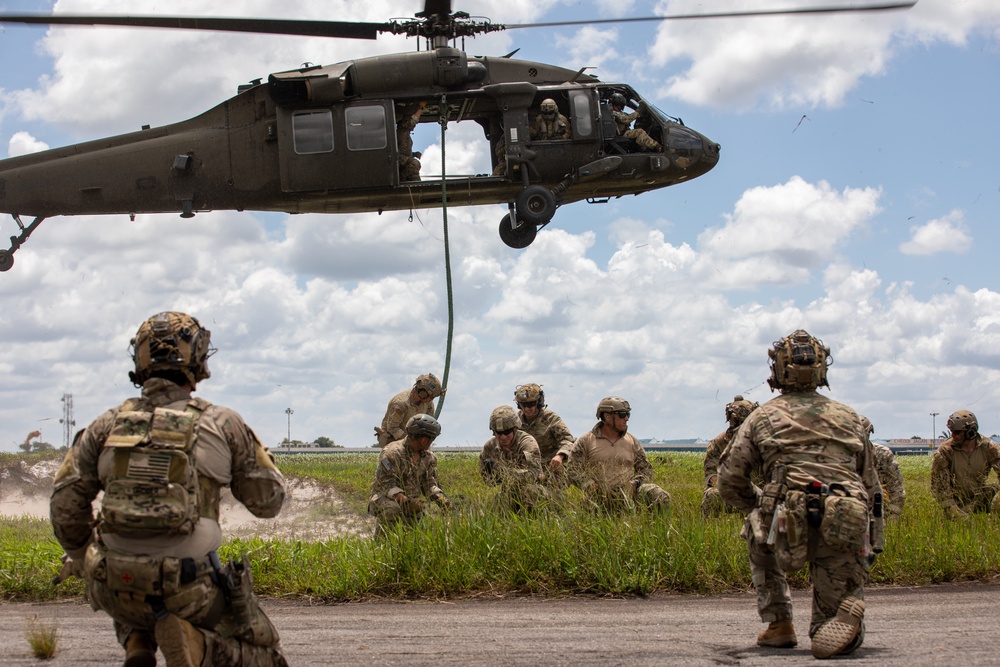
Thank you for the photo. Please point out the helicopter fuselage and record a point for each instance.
(324, 140)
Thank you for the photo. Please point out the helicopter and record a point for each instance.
(333, 138)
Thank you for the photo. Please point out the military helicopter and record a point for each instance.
(324, 139)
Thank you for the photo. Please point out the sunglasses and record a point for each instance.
(525, 406)
(505, 432)
(624, 414)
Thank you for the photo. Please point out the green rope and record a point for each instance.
(443, 120)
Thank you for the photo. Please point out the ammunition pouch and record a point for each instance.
(791, 542)
(845, 523)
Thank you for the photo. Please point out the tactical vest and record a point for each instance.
(153, 487)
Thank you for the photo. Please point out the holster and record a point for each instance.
(247, 621)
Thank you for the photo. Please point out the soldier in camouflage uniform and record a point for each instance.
(407, 470)
(960, 469)
(815, 507)
(610, 465)
(409, 161)
(890, 477)
(549, 124)
(623, 125)
(510, 460)
(548, 428)
(711, 501)
(149, 558)
(419, 400)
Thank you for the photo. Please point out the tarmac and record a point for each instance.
(916, 627)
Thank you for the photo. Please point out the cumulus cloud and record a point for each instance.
(22, 143)
(945, 234)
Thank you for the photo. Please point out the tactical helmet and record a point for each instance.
(504, 418)
(618, 101)
(548, 106)
(739, 409)
(430, 384)
(422, 424)
(866, 424)
(612, 404)
(799, 363)
(530, 393)
(171, 341)
(963, 421)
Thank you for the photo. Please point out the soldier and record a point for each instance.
(149, 557)
(815, 507)
(623, 124)
(736, 413)
(419, 399)
(407, 470)
(548, 428)
(960, 468)
(890, 477)
(549, 124)
(409, 162)
(510, 460)
(610, 465)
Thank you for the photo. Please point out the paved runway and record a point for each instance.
(927, 626)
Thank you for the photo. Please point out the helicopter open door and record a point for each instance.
(338, 147)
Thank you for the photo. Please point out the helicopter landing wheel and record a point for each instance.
(536, 205)
(517, 237)
(6, 260)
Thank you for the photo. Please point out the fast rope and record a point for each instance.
(443, 120)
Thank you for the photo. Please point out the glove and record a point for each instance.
(489, 466)
(412, 506)
(444, 503)
(71, 567)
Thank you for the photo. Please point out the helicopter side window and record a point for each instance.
(366, 128)
(582, 117)
(312, 132)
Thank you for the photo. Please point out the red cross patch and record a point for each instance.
(127, 579)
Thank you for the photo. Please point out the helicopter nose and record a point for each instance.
(691, 151)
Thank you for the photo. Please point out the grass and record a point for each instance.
(43, 638)
(561, 550)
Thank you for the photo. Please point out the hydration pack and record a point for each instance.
(153, 487)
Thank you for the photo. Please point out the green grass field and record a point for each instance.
(564, 550)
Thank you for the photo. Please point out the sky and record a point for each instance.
(857, 197)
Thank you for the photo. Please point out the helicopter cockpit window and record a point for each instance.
(582, 117)
(366, 128)
(312, 132)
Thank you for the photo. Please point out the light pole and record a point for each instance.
(288, 439)
(934, 426)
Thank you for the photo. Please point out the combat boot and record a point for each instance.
(140, 651)
(779, 634)
(841, 632)
(183, 645)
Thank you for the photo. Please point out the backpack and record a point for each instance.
(153, 487)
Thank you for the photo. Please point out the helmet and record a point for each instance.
(739, 409)
(530, 393)
(612, 404)
(799, 362)
(430, 384)
(422, 424)
(171, 341)
(866, 424)
(504, 418)
(962, 422)
(618, 100)
(548, 106)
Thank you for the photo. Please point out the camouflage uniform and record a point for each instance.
(397, 413)
(614, 475)
(544, 128)
(623, 123)
(517, 470)
(138, 579)
(891, 479)
(397, 472)
(711, 501)
(958, 478)
(409, 164)
(818, 440)
(549, 431)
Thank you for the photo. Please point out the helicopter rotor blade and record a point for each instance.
(731, 14)
(304, 28)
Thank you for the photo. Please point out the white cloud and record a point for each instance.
(22, 143)
(947, 234)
